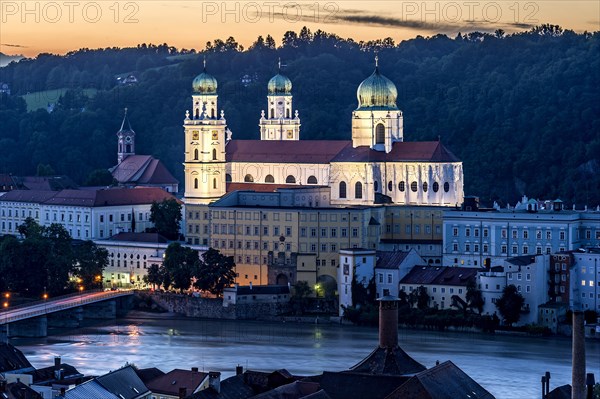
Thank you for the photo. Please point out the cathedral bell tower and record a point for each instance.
(277, 122)
(204, 165)
(125, 140)
(377, 122)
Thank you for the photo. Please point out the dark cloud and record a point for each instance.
(12, 45)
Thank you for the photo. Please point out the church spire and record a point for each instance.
(125, 119)
(125, 139)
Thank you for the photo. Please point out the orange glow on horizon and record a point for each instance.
(32, 27)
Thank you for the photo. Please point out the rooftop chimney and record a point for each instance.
(590, 382)
(56, 362)
(214, 381)
(195, 369)
(388, 322)
(239, 370)
(578, 375)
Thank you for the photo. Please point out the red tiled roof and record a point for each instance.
(275, 151)
(142, 169)
(406, 151)
(170, 383)
(261, 187)
(91, 198)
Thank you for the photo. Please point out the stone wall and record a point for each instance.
(210, 308)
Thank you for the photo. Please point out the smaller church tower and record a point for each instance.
(377, 122)
(125, 140)
(205, 139)
(277, 122)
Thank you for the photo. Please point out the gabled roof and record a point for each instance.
(296, 389)
(561, 392)
(284, 151)
(35, 196)
(170, 383)
(444, 381)
(405, 151)
(47, 183)
(12, 359)
(124, 383)
(142, 169)
(89, 389)
(231, 388)
(18, 390)
(149, 373)
(386, 361)
(390, 259)
(48, 374)
(351, 385)
(521, 260)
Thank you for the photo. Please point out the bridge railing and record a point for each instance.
(54, 298)
(49, 307)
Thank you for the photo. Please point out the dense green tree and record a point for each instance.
(422, 297)
(180, 263)
(215, 272)
(154, 275)
(509, 305)
(474, 297)
(91, 260)
(166, 216)
(99, 177)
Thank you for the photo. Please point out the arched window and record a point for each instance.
(390, 186)
(197, 113)
(358, 190)
(425, 186)
(311, 180)
(402, 186)
(342, 189)
(215, 182)
(380, 134)
(128, 148)
(214, 152)
(376, 185)
(228, 178)
(414, 186)
(436, 187)
(272, 113)
(269, 179)
(212, 113)
(290, 179)
(196, 154)
(446, 186)
(248, 179)
(287, 113)
(195, 183)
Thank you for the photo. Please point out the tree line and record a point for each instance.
(520, 110)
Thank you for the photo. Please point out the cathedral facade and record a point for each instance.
(377, 166)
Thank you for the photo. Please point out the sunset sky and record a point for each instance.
(32, 27)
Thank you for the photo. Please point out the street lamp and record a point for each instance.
(81, 295)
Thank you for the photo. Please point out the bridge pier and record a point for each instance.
(70, 318)
(31, 328)
(100, 310)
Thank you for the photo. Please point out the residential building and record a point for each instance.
(130, 255)
(552, 314)
(485, 237)
(248, 225)
(256, 294)
(178, 383)
(445, 285)
(391, 267)
(561, 266)
(356, 264)
(585, 277)
(86, 214)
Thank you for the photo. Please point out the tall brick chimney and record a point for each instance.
(578, 360)
(388, 322)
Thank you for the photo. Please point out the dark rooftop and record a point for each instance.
(351, 385)
(124, 383)
(390, 259)
(444, 381)
(170, 383)
(12, 359)
(429, 151)
(142, 169)
(148, 374)
(440, 275)
(384, 361)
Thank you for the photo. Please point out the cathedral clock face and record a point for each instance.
(215, 135)
(195, 135)
(290, 134)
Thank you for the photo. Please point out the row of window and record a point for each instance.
(290, 179)
(29, 213)
(416, 228)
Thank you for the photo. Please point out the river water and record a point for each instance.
(509, 367)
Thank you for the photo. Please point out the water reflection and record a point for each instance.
(509, 367)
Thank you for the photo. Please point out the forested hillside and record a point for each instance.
(521, 111)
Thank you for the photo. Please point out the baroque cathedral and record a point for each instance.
(377, 166)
